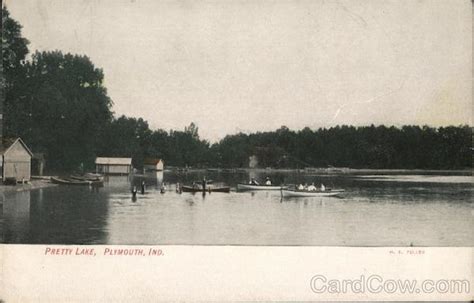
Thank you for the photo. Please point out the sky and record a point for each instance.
(232, 66)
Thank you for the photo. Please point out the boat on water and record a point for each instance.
(207, 182)
(191, 189)
(88, 177)
(243, 186)
(305, 193)
(70, 181)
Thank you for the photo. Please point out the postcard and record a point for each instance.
(236, 150)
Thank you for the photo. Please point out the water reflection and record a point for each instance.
(75, 215)
(117, 181)
(371, 212)
(152, 179)
(16, 214)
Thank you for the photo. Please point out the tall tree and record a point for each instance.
(68, 107)
(14, 51)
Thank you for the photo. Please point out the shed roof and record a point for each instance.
(151, 161)
(7, 143)
(113, 161)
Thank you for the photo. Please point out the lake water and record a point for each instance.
(375, 210)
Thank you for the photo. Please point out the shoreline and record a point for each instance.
(39, 182)
(326, 171)
(32, 185)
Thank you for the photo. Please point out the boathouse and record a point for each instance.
(113, 166)
(15, 160)
(151, 164)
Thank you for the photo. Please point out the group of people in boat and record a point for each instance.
(203, 184)
(301, 186)
(311, 187)
(254, 182)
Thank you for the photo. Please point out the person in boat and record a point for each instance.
(253, 182)
(268, 181)
(300, 187)
(305, 186)
(323, 188)
(195, 186)
(312, 187)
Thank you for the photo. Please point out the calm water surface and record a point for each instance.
(375, 210)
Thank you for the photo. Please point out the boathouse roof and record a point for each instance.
(151, 161)
(113, 161)
(7, 143)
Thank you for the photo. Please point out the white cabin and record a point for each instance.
(15, 160)
(153, 164)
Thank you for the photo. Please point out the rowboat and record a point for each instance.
(305, 193)
(243, 186)
(191, 189)
(62, 181)
(88, 177)
(207, 182)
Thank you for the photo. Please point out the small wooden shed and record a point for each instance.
(113, 166)
(15, 160)
(151, 164)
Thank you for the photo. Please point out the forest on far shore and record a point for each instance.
(57, 103)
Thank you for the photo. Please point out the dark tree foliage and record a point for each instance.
(14, 46)
(61, 108)
(14, 51)
(131, 137)
(409, 147)
(124, 137)
(56, 102)
(68, 107)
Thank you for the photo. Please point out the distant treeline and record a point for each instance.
(58, 104)
(408, 147)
